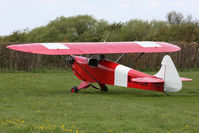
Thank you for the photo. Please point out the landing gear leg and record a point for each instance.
(83, 85)
(103, 87)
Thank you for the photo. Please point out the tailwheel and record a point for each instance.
(74, 89)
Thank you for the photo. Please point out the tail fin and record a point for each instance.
(168, 72)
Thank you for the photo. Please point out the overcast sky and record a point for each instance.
(21, 14)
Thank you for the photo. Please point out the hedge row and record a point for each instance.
(187, 58)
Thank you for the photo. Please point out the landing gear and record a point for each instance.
(85, 85)
(74, 89)
(103, 87)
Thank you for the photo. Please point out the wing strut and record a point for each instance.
(122, 55)
(72, 67)
(84, 69)
(139, 56)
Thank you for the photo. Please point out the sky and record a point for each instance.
(22, 14)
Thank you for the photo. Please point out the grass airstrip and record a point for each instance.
(42, 102)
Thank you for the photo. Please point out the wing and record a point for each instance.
(95, 48)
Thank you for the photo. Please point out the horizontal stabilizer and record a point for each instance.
(155, 80)
(148, 80)
(185, 79)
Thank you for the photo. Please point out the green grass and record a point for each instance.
(42, 102)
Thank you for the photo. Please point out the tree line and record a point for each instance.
(85, 28)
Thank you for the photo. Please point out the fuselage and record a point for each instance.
(111, 73)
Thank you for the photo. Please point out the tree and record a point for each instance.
(17, 36)
(136, 30)
(174, 18)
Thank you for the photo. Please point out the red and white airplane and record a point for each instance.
(103, 71)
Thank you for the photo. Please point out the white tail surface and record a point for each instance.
(168, 72)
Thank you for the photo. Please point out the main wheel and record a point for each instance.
(74, 89)
(105, 88)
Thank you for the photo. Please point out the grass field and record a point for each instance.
(42, 102)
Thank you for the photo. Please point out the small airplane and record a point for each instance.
(106, 72)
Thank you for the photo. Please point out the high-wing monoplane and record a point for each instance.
(105, 72)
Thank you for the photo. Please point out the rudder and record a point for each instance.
(169, 73)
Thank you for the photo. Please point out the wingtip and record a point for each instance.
(9, 46)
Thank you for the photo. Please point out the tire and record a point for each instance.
(74, 89)
(105, 89)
